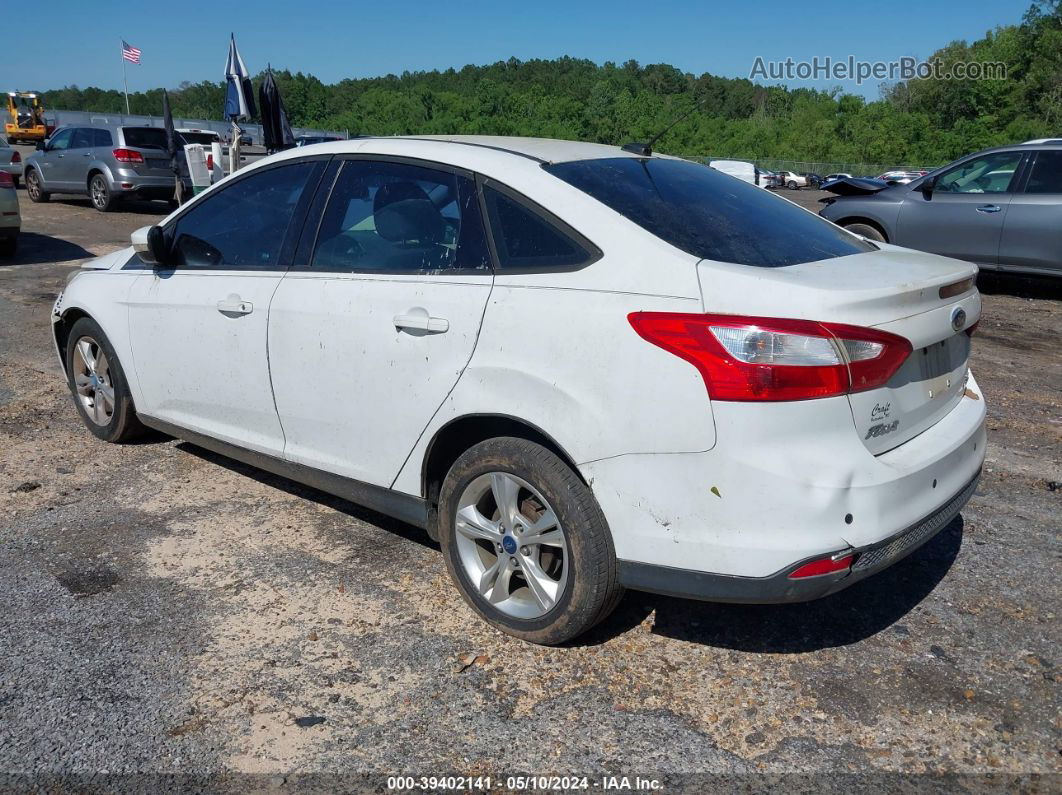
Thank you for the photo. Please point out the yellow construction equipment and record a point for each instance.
(25, 123)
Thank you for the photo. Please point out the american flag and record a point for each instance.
(130, 53)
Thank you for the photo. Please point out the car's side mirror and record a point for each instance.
(927, 186)
(150, 243)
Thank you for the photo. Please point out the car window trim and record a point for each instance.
(320, 209)
(287, 251)
(594, 253)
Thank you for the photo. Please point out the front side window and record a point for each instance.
(524, 239)
(61, 140)
(397, 217)
(243, 226)
(1046, 175)
(708, 214)
(987, 174)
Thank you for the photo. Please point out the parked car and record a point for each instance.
(792, 180)
(207, 139)
(106, 163)
(1000, 208)
(814, 180)
(309, 140)
(832, 177)
(739, 169)
(10, 161)
(575, 366)
(767, 179)
(10, 216)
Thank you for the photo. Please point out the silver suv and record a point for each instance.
(106, 163)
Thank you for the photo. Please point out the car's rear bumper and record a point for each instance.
(784, 484)
(14, 169)
(781, 587)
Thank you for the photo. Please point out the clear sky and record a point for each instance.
(77, 42)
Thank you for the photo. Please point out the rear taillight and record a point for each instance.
(822, 566)
(6, 180)
(16, 157)
(210, 162)
(771, 359)
(128, 156)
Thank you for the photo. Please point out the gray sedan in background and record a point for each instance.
(1000, 208)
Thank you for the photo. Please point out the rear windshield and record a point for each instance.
(707, 213)
(199, 138)
(145, 137)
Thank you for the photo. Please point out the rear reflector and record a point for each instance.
(956, 288)
(771, 359)
(128, 156)
(823, 566)
(16, 157)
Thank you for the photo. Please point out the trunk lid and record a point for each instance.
(895, 290)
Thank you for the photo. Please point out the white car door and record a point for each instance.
(198, 325)
(374, 324)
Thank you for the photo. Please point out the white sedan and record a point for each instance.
(579, 368)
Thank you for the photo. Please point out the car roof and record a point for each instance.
(544, 150)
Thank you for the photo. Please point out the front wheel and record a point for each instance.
(33, 187)
(100, 193)
(98, 384)
(867, 231)
(526, 542)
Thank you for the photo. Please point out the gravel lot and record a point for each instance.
(168, 611)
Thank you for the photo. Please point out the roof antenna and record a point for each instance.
(646, 149)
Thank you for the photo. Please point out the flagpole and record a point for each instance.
(125, 76)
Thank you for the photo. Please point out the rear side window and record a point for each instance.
(241, 227)
(1046, 176)
(145, 137)
(707, 213)
(101, 138)
(525, 239)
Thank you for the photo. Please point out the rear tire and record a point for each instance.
(33, 187)
(867, 231)
(791, 185)
(98, 384)
(551, 549)
(100, 194)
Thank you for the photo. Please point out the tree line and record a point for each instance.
(919, 121)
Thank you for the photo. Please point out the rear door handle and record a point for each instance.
(234, 305)
(989, 208)
(421, 321)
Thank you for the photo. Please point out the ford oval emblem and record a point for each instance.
(958, 318)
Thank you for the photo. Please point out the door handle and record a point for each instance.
(234, 305)
(989, 208)
(421, 321)
(86, 154)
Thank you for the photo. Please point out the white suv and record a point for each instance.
(577, 367)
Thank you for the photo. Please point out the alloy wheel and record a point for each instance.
(511, 545)
(92, 379)
(33, 187)
(99, 192)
